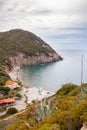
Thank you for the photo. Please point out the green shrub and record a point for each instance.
(11, 111)
(75, 92)
(19, 83)
(19, 96)
(50, 127)
(43, 109)
(3, 108)
(5, 89)
(66, 89)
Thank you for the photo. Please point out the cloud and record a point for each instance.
(51, 19)
(41, 12)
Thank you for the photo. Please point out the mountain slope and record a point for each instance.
(19, 47)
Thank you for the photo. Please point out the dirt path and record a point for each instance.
(9, 117)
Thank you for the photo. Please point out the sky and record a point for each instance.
(63, 22)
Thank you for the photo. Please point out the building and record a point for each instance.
(7, 102)
(11, 84)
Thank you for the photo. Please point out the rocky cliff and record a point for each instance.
(22, 59)
(20, 48)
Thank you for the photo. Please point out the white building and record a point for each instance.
(11, 84)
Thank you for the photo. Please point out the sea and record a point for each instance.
(51, 76)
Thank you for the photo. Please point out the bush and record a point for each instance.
(3, 108)
(50, 127)
(11, 111)
(19, 83)
(18, 96)
(5, 89)
(66, 89)
(17, 88)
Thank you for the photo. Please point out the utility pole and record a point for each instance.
(81, 72)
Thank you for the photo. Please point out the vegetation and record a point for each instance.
(67, 89)
(69, 114)
(43, 109)
(5, 123)
(18, 96)
(24, 41)
(15, 41)
(4, 90)
(3, 108)
(11, 111)
(3, 75)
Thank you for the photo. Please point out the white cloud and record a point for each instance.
(46, 18)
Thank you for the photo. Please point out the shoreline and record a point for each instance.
(29, 94)
(14, 73)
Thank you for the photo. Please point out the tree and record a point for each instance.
(11, 111)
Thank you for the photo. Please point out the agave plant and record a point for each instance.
(85, 90)
(82, 95)
(44, 108)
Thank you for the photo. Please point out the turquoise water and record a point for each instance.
(51, 76)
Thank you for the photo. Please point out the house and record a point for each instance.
(7, 102)
(1, 102)
(11, 84)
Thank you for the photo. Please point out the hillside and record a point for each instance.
(67, 110)
(20, 48)
(16, 45)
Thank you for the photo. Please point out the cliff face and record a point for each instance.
(20, 48)
(22, 59)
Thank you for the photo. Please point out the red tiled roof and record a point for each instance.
(8, 100)
(9, 82)
(1, 101)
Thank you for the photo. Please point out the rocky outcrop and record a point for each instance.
(84, 127)
(22, 59)
(20, 48)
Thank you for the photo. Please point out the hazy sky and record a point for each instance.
(60, 21)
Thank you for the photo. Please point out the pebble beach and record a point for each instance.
(29, 94)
